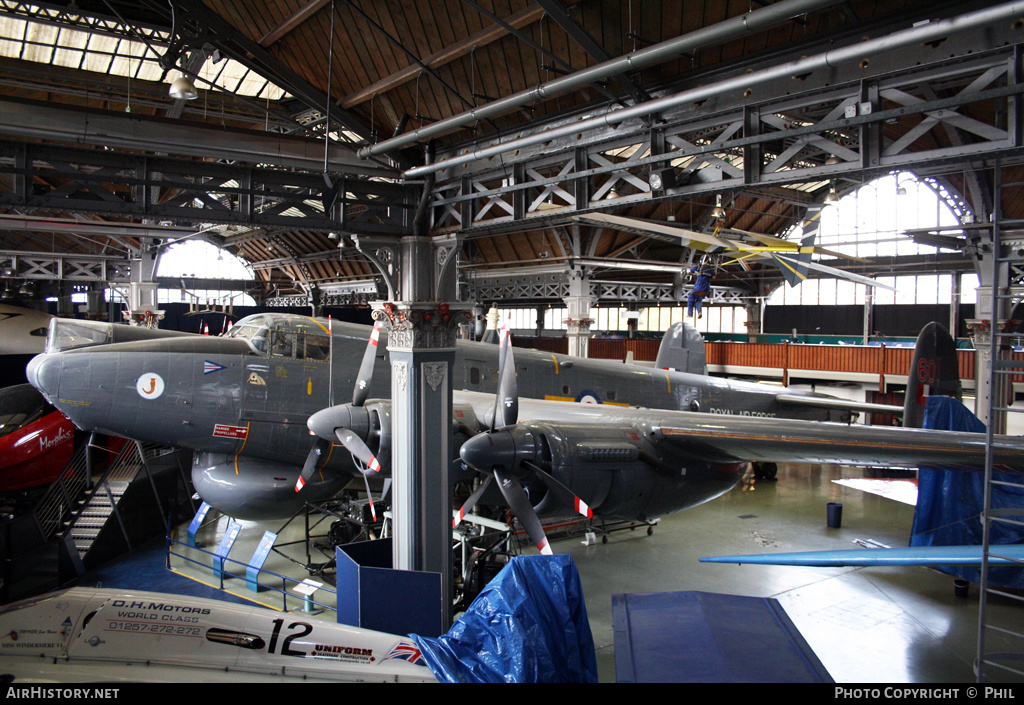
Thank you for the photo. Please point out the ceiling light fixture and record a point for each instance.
(183, 89)
(718, 212)
(832, 196)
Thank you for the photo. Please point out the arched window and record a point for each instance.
(197, 259)
(869, 222)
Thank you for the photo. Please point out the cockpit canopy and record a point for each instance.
(283, 335)
(20, 406)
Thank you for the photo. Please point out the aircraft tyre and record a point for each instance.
(766, 471)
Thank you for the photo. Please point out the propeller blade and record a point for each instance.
(521, 507)
(362, 388)
(563, 493)
(355, 445)
(319, 449)
(471, 502)
(369, 496)
(508, 386)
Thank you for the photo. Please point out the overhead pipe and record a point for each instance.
(829, 59)
(670, 49)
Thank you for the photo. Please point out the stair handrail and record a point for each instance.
(72, 483)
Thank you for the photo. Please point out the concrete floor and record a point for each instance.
(866, 625)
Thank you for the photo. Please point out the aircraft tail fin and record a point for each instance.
(934, 369)
(682, 349)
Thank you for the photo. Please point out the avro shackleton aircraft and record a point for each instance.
(656, 441)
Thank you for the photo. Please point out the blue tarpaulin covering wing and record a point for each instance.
(949, 503)
(529, 625)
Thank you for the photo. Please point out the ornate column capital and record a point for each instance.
(415, 325)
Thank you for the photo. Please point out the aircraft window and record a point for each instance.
(317, 347)
(610, 395)
(474, 376)
(255, 333)
(70, 334)
(282, 344)
(299, 346)
(290, 337)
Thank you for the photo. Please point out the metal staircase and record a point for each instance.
(95, 510)
(84, 503)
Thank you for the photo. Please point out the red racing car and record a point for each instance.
(36, 440)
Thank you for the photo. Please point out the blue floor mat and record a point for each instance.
(702, 637)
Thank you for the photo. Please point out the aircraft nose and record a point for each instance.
(43, 373)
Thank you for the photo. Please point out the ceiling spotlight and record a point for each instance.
(718, 211)
(831, 196)
(183, 89)
(833, 160)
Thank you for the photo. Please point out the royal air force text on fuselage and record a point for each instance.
(741, 412)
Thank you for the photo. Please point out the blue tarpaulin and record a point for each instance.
(529, 625)
(950, 501)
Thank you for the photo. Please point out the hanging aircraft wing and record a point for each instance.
(1003, 554)
(799, 268)
(788, 246)
(704, 242)
(793, 262)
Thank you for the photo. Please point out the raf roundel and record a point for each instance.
(149, 385)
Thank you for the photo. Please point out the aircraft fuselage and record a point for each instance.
(220, 396)
(238, 400)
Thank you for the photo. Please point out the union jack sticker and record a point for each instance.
(406, 651)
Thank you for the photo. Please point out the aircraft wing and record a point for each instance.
(790, 247)
(704, 242)
(731, 438)
(789, 263)
(793, 261)
(721, 438)
(826, 402)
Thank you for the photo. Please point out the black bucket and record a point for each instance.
(835, 514)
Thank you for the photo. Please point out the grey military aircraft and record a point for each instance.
(654, 441)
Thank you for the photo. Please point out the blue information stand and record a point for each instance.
(197, 521)
(225, 546)
(259, 556)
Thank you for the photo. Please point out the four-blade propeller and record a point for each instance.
(344, 423)
(504, 454)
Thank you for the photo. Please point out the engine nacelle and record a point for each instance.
(620, 471)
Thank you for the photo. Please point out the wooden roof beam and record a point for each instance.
(485, 36)
(290, 24)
